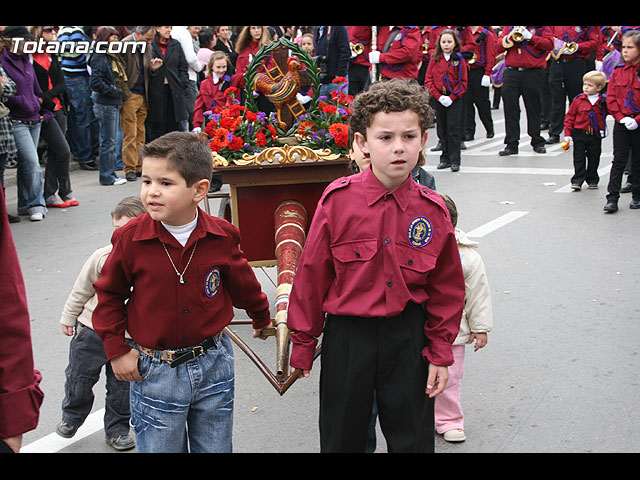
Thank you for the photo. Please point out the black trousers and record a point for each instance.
(586, 158)
(477, 96)
(363, 355)
(565, 83)
(359, 78)
(624, 142)
(449, 128)
(527, 84)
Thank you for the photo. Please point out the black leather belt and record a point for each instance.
(177, 357)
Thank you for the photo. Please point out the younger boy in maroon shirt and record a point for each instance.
(172, 280)
(584, 127)
(381, 262)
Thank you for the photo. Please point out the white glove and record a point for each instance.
(303, 98)
(445, 100)
(629, 122)
(569, 139)
(599, 65)
(527, 34)
(196, 130)
(374, 56)
(486, 81)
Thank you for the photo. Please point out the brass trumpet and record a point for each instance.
(571, 48)
(356, 48)
(425, 48)
(517, 34)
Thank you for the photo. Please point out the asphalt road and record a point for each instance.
(559, 373)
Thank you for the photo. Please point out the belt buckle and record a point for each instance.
(197, 351)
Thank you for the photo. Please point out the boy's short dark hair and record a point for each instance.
(130, 207)
(451, 206)
(186, 152)
(395, 95)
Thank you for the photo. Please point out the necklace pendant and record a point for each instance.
(182, 280)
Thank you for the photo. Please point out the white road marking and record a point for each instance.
(494, 225)
(53, 442)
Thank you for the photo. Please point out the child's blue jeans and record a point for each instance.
(188, 408)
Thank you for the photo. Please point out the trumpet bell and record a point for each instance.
(517, 35)
(571, 48)
(357, 48)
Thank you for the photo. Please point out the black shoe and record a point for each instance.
(491, 134)
(442, 165)
(455, 168)
(540, 149)
(593, 186)
(552, 139)
(131, 177)
(121, 442)
(462, 146)
(634, 204)
(626, 188)
(611, 206)
(437, 148)
(576, 187)
(13, 218)
(508, 151)
(65, 430)
(88, 165)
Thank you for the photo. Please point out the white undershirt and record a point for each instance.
(593, 98)
(182, 232)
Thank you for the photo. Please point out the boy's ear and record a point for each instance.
(201, 188)
(361, 141)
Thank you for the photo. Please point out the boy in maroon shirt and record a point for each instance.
(584, 128)
(172, 280)
(381, 262)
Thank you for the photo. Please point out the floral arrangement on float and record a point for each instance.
(242, 135)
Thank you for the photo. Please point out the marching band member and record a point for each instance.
(525, 61)
(567, 66)
(399, 51)
(482, 42)
(359, 65)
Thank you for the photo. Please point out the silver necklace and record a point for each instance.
(181, 275)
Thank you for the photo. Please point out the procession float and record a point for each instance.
(277, 165)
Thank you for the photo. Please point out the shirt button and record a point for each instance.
(357, 255)
(185, 338)
(185, 310)
(387, 240)
(390, 284)
(410, 262)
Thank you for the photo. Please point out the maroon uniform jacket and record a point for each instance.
(485, 51)
(20, 393)
(623, 93)
(447, 77)
(587, 38)
(361, 34)
(404, 54)
(582, 115)
(369, 252)
(161, 313)
(528, 54)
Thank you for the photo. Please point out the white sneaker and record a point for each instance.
(456, 435)
(120, 181)
(36, 217)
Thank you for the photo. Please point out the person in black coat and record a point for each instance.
(167, 100)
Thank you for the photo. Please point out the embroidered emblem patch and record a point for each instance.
(212, 282)
(420, 231)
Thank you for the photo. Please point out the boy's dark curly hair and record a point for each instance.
(395, 95)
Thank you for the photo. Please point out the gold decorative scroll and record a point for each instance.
(284, 154)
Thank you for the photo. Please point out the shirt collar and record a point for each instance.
(374, 190)
(148, 228)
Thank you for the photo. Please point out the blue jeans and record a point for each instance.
(29, 173)
(186, 408)
(80, 117)
(109, 119)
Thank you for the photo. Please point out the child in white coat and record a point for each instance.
(477, 320)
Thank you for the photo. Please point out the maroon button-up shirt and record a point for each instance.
(623, 93)
(404, 54)
(582, 115)
(161, 313)
(368, 253)
(530, 53)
